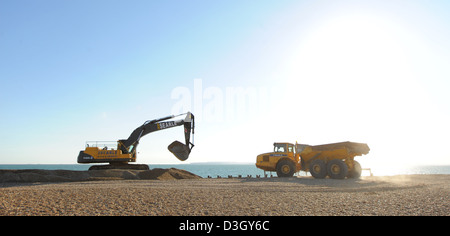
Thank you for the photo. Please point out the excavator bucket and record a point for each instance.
(180, 150)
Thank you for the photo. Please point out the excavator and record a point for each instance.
(119, 153)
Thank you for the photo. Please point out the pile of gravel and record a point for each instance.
(36, 175)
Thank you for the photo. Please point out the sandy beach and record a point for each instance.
(392, 195)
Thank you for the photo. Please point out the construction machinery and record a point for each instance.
(118, 154)
(335, 160)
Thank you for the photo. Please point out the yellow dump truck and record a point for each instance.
(335, 160)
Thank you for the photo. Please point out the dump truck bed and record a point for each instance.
(353, 147)
(331, 151)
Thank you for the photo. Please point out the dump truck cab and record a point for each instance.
(283, 147)
(284, 160)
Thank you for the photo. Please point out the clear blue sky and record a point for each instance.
(367, 71)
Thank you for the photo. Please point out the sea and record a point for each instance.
(224, 170)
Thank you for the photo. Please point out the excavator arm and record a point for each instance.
(180, 150)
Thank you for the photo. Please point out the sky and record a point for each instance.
(252, 72)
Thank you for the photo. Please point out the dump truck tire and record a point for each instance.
(356, 171)
(337, 169)
(285, 168)
(318, 169)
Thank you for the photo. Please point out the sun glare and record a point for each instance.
(354, 80)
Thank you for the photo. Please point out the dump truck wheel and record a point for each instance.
(356, 171)
(337, 169)
(285, 168)
(318, 169)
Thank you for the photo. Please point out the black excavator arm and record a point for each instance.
(180, 150)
